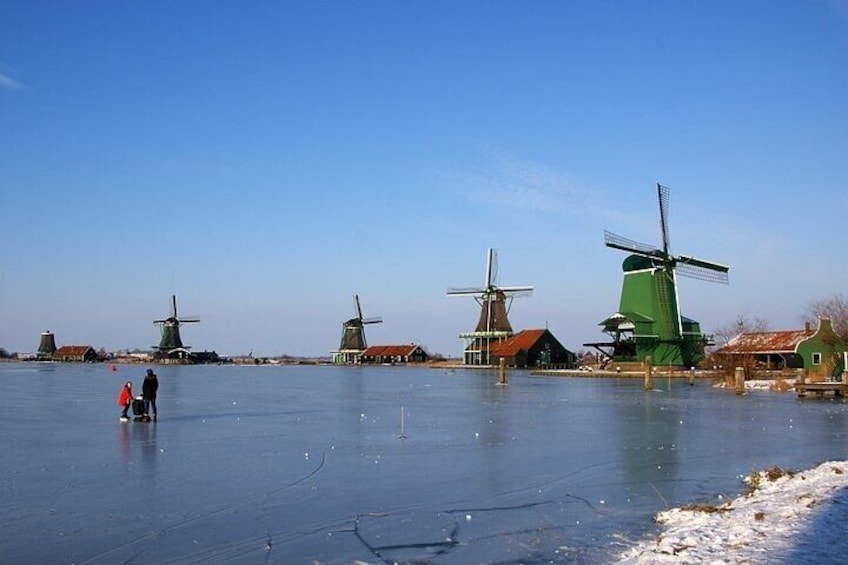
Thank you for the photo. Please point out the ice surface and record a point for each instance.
(301, 464)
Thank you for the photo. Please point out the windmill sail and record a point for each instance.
(623, 244)
(663, 195)
(702, 270)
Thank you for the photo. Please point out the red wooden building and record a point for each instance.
(409, 353)
(532, 349)
(77, 353)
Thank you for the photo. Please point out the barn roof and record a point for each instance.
(767, 342)
(525, 339)
(72, 350)
(390, 350)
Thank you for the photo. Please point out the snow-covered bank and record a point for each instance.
(777, 385)
(756, 527)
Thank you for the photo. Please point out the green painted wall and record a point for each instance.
(829, 345)
(651, 293)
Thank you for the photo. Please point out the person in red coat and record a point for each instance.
(125, 400)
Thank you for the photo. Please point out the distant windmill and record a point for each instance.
(46, 346)
(649, 321)
(495, 303)
(171, 345)
(353, 336)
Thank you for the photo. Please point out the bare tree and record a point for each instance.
(834, 307)
(724, 333)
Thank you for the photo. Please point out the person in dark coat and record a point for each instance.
(148, 392)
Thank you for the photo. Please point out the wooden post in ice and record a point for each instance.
(691, 376)
(799, 383)
(402, 434)
(739, 375)
(649, 383)
(502, 372)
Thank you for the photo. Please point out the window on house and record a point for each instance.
(816, 358)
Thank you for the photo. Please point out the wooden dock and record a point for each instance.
(839, 389)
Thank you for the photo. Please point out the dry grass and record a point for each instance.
(781, 385)
(770, 474)
(705, 507)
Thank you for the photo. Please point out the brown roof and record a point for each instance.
(72, 350)
(511, 346)
(389, 350)
(766, 342)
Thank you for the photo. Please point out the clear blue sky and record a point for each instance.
(264, 161)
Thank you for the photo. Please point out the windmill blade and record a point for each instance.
(663, 195)
(492, 268)
(618, 242)
(700, 273)
(375, 320)
(702, 270)
(173, 305)
(519, 293)
(517, 290)
(358, 307)
(712, 265)
(188, 319)
(159, 321)
(464, 291)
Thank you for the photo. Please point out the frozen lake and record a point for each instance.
(305, 464)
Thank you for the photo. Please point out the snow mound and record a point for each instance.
(752, 528)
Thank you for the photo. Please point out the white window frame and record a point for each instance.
(817, 358)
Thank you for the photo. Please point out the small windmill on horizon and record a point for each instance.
(353, 341)
(495, 303)
(649, 322)
(171, 345)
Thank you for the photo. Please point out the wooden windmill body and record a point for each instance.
(171, 347)
(493, 324)
(353, 341)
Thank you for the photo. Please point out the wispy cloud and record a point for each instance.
(11, 84)
(522, 184)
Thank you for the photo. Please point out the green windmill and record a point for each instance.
(170, 344)
(648, 321)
